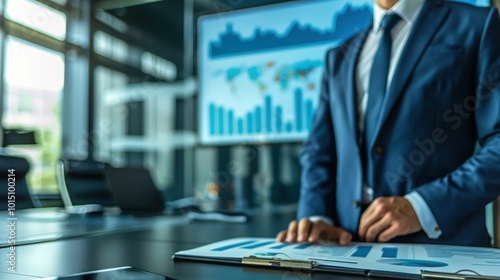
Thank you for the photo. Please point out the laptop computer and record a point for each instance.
(134, 190)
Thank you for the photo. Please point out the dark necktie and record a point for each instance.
(378, 76)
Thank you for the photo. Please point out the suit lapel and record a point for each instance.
(352, 53)
(425, 26)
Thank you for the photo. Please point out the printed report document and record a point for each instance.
(370, 259)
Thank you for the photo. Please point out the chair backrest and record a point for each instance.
(13, 171)
(496, 222)
(84, 182)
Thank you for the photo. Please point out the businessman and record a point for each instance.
(405, 144)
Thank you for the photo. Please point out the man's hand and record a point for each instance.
(386, 218)
(307, 231)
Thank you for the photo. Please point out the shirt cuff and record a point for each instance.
(318, 218)
(424, 214)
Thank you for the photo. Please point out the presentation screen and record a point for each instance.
(260, 68)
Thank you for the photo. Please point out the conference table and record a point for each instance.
(52, 243)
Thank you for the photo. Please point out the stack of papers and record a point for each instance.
(369, 259)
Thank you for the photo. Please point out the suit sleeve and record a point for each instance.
(318, 160)
(476, 182)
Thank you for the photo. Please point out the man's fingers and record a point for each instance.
(291, 235)
(316, 232)
(304, 228)
(367, 218)
(339, 235)
(281, 236)
(345, 238)
(373, 214)
(307, 231)
(330, 233)
(389, 233)
(365, 223)
(375, 229)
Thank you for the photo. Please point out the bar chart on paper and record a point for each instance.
(260, 69)
(382, 259)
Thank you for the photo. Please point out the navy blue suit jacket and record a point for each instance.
(438, 133)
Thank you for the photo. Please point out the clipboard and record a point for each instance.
(457, 276)
(252, 261)
(376, 260)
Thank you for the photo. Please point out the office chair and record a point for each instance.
(83, 182)
(496, 222)
(23, 198)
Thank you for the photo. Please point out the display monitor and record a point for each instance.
(260, 68)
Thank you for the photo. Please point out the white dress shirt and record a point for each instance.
(408, 10)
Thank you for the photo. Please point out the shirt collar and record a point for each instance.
(406, 9)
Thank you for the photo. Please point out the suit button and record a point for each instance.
(356, 203)
(378, 150)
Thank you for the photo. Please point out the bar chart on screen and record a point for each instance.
(264, 118)
(261, 68)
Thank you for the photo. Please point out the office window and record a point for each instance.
(110, 47)
(34, 81)
(38, 17)
(158, 67)
(111, 21)
(108, 118)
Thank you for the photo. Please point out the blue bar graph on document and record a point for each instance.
(281, 246)
(362, 251)
(232, 246)
(303, 246)
(389, 252)
(258, 245)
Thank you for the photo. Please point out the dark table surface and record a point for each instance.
(146, 243)
(49, 224)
